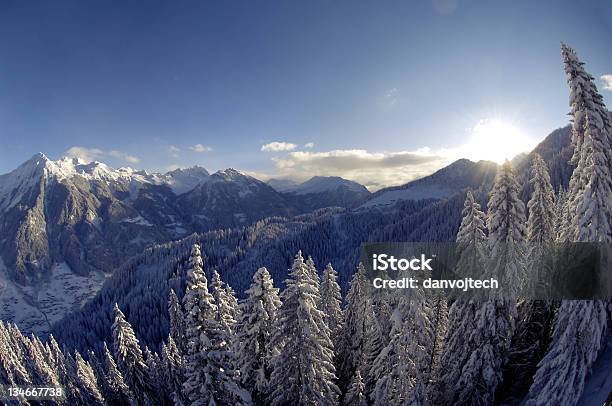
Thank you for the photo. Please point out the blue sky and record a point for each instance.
(379, 88)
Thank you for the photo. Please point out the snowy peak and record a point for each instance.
(184, 180)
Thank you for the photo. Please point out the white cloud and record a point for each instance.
(607, 79)
(200, 148)
(277, 146)
(86, 154)
(172, 167)
(174, 151)
(309, 145)
(123, 156)
(373, 169)
(93, 154)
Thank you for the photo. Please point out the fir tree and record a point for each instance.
(580, 324)
(303, 369)
(531, 338)
(129, 357)
(254, 334)
(210, 379)
(86, 383)
(177, 321)
(353, 351)
(330, 303)
(174, 371)
(471, 253)
(118, 393)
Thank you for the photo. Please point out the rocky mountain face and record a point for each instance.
(93, 217)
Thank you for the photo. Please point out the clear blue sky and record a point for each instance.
(148, 80)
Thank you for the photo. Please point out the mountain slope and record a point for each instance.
(445, 182)
(322, 191)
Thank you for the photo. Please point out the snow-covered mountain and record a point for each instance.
(445, 182)
(322, 191)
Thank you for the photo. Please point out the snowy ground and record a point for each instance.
(36, 308)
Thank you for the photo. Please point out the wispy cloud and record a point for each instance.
(200, 148)
(174, 151)
(373, 169)
(309, 145)
(123, 156)
(86, 154)
(607, 81)
(277, 146)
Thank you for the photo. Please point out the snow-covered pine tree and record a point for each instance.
(129, 358)
(397, 371)
(356, 395)
(155, 376)
(303, 369)
(86, 382)
(177, 321)
(225, 311)
(490, 341)
(255, 329)
(174, 371)
(533, 330)
(353, 349)
(580, 324)
(471, 252)
(330, 303)
(118, 393)
(209, 379)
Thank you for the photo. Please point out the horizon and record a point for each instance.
(292, 91)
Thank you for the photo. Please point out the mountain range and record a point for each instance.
(79, 222)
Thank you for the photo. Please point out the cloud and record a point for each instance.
(172, 167)
(607, 79)
(93, 154)
(86, 154)
(277, 146)
(123, 156)
(309, 145)
(200, 148)
(373, 169)
(174, 151)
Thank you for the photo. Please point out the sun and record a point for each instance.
(496, 140)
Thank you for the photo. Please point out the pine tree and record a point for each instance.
(397, 369)
(580, 324)
(118, 393)
(209, 378)
(177, 321)
(471, 253)
(489, 342)
(174, 371)
(330, 303)
(129, 358)
(86, 383)
(254, 334)
(303, 369)
(353, 350)
(225, 310)
(356, 395)
(531, 338)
